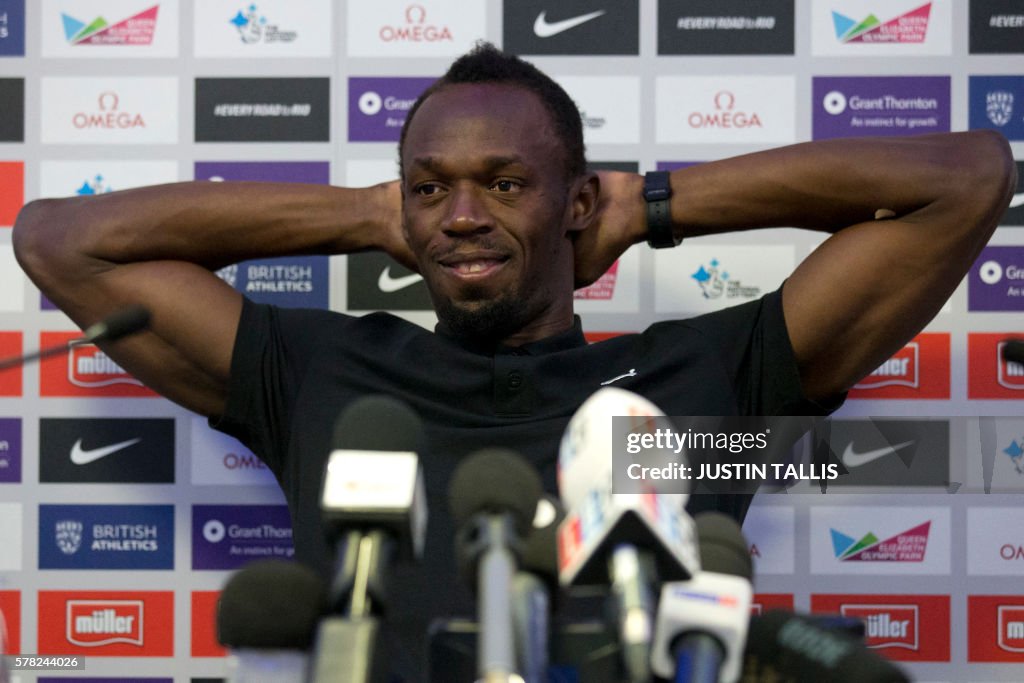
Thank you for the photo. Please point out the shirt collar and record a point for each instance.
(569, 339)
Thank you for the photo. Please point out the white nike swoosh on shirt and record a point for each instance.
(1017, 200)
(852, 459)
(81, 456)
(388, 284)
(545, 29)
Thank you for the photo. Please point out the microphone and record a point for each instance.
(789, 647)
(702, 623)
(125, 322)
(493, 496)
(266, 616)
(1013, 351)
(120, 324)
(533, 589)
(373, 505)
(624, 540)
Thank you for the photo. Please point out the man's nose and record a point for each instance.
(467, 212)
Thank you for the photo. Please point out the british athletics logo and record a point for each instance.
(912, 628)
(106, 623)
(920, 370)
(995, 628)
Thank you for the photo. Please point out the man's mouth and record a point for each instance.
(473, 265)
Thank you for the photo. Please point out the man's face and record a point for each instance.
(487, 210)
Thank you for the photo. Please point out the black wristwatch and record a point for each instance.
(657, 192)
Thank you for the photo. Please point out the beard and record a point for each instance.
(488, 321)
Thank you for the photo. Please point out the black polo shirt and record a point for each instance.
(294, 371)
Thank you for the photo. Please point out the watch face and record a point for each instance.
(657, 186)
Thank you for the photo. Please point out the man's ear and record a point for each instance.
(586, 191)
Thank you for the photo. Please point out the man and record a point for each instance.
(497, 212)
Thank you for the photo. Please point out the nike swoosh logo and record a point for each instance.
(81, 456)
(390, 284)
(852, 459)
(1017, 200)
(544, 29)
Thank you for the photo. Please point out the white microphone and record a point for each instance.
(621, 539)
(597, 520)
(702, 623)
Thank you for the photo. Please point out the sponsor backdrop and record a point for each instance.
(121, 515)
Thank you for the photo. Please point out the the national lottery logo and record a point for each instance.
(98, 185)
(253, 27)
(1011, 628)
(715, 282)
(89, 367)
(68, 536)
(135, 30)
(1015, 451)
(999, 107)
(911, 27)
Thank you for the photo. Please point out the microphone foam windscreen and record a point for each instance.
(722, 546)
(271, 604)
(495, 480)
(378, 423)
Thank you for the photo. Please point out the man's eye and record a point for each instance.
(505, 185)
(427, 189)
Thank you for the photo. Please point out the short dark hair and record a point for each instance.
(487, 64)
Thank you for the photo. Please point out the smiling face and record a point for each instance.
(488, 211)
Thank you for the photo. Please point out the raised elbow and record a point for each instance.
(993, 171)
(39, 238)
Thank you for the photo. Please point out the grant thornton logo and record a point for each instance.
(908, 546)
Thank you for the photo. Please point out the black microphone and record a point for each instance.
(1013, 351)
(373, 506)
(120, 324)
(788, 647)
(535, 590)
(493, 496)
(267, 616)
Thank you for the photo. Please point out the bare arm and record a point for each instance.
(909, 217)
(157, 246)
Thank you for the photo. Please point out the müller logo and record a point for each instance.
(1010, 375)
(886, 625)
(94, 623)
(903, 370)
(89, 367)
(416, 30)
(108, 117)
(724, 115)
(1011, 628)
